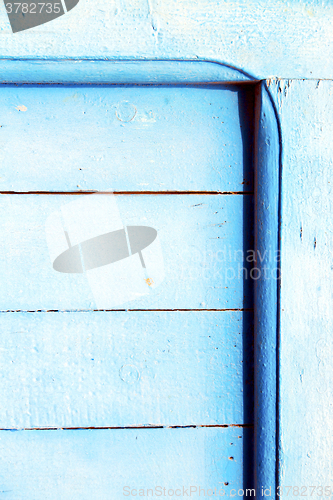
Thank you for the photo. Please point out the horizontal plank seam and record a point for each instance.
(73, 83)
(225, 426)
(120, 310)
(122, 193)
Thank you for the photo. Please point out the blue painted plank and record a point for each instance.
(204, 241)
(121, 369)
(258, 36)
(99, 464)
(126, 138)
(306, 373)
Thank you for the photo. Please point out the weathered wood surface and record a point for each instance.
(203, 239)
(291, 39)
(306, 376)
(135, 138)
(202, 261)
(121, 369)
(98, 464)
(258, 36)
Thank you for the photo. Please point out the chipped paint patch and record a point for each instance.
(149, 281)
(22, 108)
(72, 97)
(146, 118)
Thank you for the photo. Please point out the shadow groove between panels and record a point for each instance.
(225, 426)
(122, 310)
(123, 193)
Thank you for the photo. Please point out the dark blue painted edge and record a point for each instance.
(267, 291)
(268, 175)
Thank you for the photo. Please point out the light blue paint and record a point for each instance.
(123, 369)
(202, 239)
(291, 39)
(264, 37)
(263, 416)
(135, 138)
(89, 464)
(306, 443)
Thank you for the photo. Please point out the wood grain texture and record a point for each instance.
(121, 369)
(133, 138)
(305, 110)
(89, 464)
(203, 239)
(259, 36)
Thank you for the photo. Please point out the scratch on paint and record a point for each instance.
(219, 224)
(283, 90)
(301, 376)
(153, 21)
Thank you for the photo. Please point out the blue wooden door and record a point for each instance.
(292, 40)
(133, 376)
